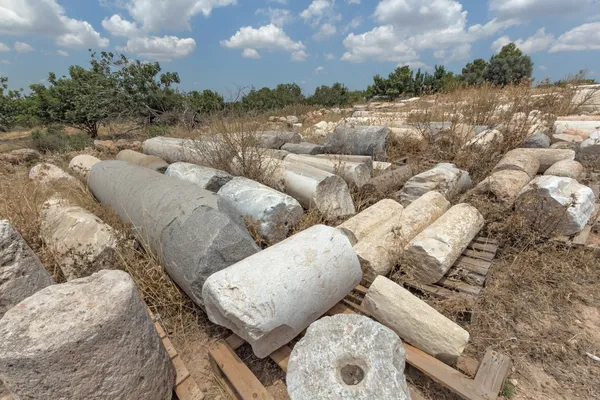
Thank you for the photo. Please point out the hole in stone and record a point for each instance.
(352, 374)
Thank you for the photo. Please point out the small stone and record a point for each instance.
(485, 139)
(590, 148)
(20, 156)
(82, 164)
(107, 146)
(537, 140)
(292, 119)
(566, 168)
(45, 173)
(514, 382)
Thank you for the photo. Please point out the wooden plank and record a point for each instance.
(356, 307)
(460, 286)
(243, 380)
(480, 267)
(492, 373)
(354, 299)
(415, 394)
(181, 371)
(437, 290)
(361, 289)
(170, 348)
(480, 255)
(486, 247)
(222, 380)
(467, 365)
(188, 390)
(234, 341)
(483, 239)
(281, 357)
(160, 330)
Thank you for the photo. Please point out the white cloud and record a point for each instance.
(4, 48)
(319, 69)
(21, 47)
(416, 65)
(268, 37)
(533, 44)
(325, 31)
(581, 38)
(317, 10)
(250, 53)
(63, 53)
(533, 8)
(155, 15)
(117, 26)
(5, 62)
(380, 44)
(542, 68)
(277, 16)
(164, 48)
(47, 18)
(329, 56)
(353, 1)
(353, 24)
(414, 15)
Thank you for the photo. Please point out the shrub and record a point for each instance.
(336, 95)
(54, 140)
(157, 130)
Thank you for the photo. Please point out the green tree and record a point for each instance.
(510, 66)
(336, 95)
(283, 95)
(9, 105)
(206, 102)
(472, 73)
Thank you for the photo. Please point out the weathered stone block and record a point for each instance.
(389, 181)
(353, 173)
(205, 177)
(504, 185)
(45, 173)
(363, 140)
(566, 168)
(444, 178)
(303, 148)
(367, 221)
(151, 162)
(519, 160)
(82, 164)
(548, 157)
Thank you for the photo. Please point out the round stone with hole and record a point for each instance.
(347, 357)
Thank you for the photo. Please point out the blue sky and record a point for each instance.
(221, 44)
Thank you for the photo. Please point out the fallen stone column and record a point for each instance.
(366, 160)
(82, 164)
(21, 272)
(45, 174)
(390, 181)
(312, 187)
(548, 157)
(192, 231)
(382, 248)
(347, 357)
(504, 185)
(519, 160)
(276, 139)
(303, 148)
(270, 297)
(556, 204)
(353, 173)
(275, 213)
(444, 178)
(205, 177)
(174, 150)
(582, 128)
(362, 140)
(415, 321)
(91, 338)
(80, 241)
(433, 251)
(364, 223)
(566, 168)
(151, 162)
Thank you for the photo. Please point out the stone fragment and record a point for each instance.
(303, 148)
(312, 187)
(415, 321)
(581, 128)
(80, 241)
(272, 296)
(409, 135)
(107, 146)
(21, 272)
(364, 223)
(205, 177)
(82, 164)
(278, 154)
(444, 178)
(353, 173)
(292, 119)
(382, 165)
(389, 181)
(505, 185)
(485, 139)
(566, 168)
(274, 213)
(91, 338)
(192, 231)
(519, 160)
(151, 162)
(566, 138)
(347, 357)
(537, 140)
(362, 140)
(175, 150)
(547, 157)
(556, 204)
(565, 145)
(366, 160)
(276, 139)
(20, 156)
(433, 251)
(590, 148)
(45, 173)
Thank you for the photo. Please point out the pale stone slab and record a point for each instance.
(433, 251)
(414, 320)
(580, 128)
(519, 160)
(504, 185)
(82, 164)
(556, 204)
(362, 140)
(367, 160)
(192, 231)
(21, 272)
(444, 178)
(364, 223)
(347, 357)
(80, 241)
(353, 173)
(91, 338)
(389, 181)
(303, 148)
(45, 173)
(566, 168)
(274, 212)
(174, 150)
(566, 138)
(276, 139)
(548, 157)
(382, 165)
(484, 140)
(205, 177)
(151, 162)
(272, 296)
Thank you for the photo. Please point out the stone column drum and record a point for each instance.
(272, 296)
(152, 162)
(365, 222)
(347, 356)
(82, 164)
(353, 173)
(205, 177)
(90, 338)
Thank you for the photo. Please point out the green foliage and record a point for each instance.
(205, 102)
(157, 130)
(55, 140)
(472, 73)
(510, 66)
(404, 82)
(10, 107)
(509, 390)
(270, 99)
(336, 95)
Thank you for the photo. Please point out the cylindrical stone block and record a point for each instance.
(151, 162)
(91, 338)
(272, 296)
(504, 185)
(175, 150)
(205, 177)
(432, 252)
(389, 181)
(353, 173)
(347, 357)
(82, 164)
(367, 160)
(361, 140)
(548, 157)
(81, 242)
(519, 160)
(365, 222)
(21, 272)
(566, 168)
(303, 148)
(274, 212)
(192, 231)
(415, 321)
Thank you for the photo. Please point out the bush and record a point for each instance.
(336, 95)
(54, 140)
(510, 66)
(157, 130)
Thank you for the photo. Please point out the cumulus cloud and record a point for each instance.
(353, 1)
(250, 53)
(47, 18)
(277, 16)
(117, 26)
(329, 56)
(268, 37)
(321, 14)
(533, 44)
(22, 47)
(533, 8)
(4, 48)
(319, 69)
(325, 31)
(164, 48)
(542, 68)
(581, 38)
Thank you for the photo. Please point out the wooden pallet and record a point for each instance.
(466, 279)
(240, 383)
(185, 385)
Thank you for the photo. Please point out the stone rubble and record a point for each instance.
(505, 185)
